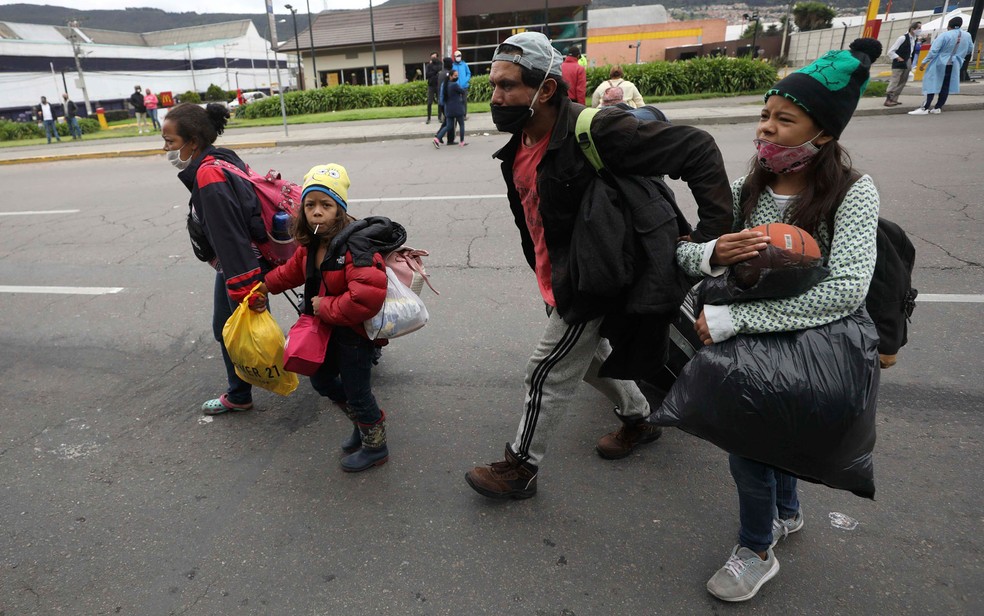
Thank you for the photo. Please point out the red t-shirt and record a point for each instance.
(524, 176)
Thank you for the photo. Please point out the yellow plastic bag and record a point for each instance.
(256, 346)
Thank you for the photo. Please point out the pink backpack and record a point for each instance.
(275, 195)
(408, 266)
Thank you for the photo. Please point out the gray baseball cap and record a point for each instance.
(538, 53)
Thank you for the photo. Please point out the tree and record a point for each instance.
(813, 16)
(750, 30)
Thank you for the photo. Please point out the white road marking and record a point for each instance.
(39, 212)
(448, 198)
(950, 298)
(61, 290)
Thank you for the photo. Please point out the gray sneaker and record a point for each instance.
(784, 528)
(742, 576)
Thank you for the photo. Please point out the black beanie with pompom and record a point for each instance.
(829, 89)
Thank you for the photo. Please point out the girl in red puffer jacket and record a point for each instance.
(351, 289)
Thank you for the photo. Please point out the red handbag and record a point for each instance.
(306, 345)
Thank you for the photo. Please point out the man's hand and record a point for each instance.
(734, 248)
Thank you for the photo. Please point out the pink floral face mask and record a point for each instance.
(776, 158)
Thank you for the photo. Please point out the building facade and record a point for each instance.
(40, 60)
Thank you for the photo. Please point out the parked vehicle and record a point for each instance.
(248, 97)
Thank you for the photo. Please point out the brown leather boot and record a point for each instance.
(631, 434)
(510, 478)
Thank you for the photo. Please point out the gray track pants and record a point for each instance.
(565, 355)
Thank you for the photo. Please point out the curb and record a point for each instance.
(49, 158)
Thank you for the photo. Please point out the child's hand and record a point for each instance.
(315, 302)
(257, 302)
(734, 248)
(700, 326)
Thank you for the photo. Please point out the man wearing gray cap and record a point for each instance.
(546, 176)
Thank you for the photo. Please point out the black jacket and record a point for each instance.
(628, 147)
(433, 69)
(227, 208)
(137, 100)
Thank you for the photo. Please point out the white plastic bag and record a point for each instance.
(401, 314)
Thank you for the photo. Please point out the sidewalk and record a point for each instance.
(697, 113)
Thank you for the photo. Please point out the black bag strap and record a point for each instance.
(312, 280)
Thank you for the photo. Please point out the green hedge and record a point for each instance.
(15, 131)
(727, 75)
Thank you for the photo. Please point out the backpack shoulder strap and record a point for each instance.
(582, 131)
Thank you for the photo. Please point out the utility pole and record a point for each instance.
(786, 31)
(77, 50)
(372, 36)
(191, 65)
(314, 62)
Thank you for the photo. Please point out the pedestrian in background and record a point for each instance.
(575, 75)
(442, 95)
(464, 78)
(150, 102)
(137, 101)
(941, 66)
(901, 55)
(71, 116)
(433, 83)
(48, 119)
(454, 110)
(630, 94)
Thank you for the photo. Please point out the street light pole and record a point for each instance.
(372, 36)
(314, 62)
(272, 28)
(297, 46)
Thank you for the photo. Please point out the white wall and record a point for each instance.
(22, 89)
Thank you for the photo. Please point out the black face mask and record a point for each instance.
(511, 118)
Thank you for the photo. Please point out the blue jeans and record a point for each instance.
(346, 374)
(239, 392)
(764, 493)
(49, 129)
(449, 127)
(74, 128)
(152, 113)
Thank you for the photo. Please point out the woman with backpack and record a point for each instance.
(630, 94)
(340, 256)
(223, 224)
(800, 175)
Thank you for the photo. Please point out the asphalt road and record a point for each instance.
(118, 497)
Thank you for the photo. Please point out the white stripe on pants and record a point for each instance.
(565, 355)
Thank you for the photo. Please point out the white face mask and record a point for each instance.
(917, 32)
(174, 157)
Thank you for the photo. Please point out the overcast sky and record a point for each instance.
(221, 6)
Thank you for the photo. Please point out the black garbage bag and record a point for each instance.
(782, 276)
(803, 402)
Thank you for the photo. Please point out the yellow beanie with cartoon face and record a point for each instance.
(331, 179)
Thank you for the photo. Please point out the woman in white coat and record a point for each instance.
(942, 66)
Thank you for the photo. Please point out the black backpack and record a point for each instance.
(891, 298)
